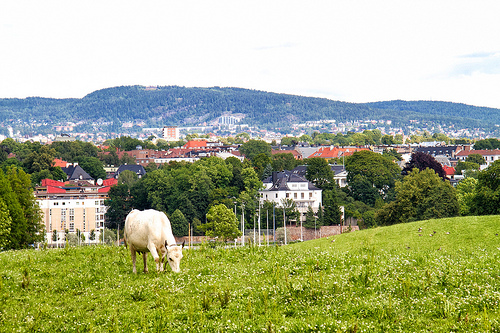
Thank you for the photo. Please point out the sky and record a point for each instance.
(349, 50)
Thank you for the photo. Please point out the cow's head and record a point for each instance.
(174, 256)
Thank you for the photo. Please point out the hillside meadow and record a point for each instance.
(445, 278)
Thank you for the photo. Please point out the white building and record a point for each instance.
(72, 206)
(287, 185)
(171, 133)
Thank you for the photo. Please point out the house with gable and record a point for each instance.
(137, 169)
(75, 172)
(489, 156)
(289, 185)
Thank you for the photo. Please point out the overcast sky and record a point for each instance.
(354, 51)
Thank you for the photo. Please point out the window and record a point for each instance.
(63, 218)
(302, 195)
(288, 195)
(71, 219)
(295, 195)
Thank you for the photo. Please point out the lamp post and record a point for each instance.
(242, 224)
(274, 225)
(284, 221)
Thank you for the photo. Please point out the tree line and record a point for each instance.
(379, 192)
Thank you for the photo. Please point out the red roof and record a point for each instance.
(51, 182)
(449, 170)
(55, 189)
(295, 153)
(195, 144)
(335, 152)
(104, 189)
(482, 152)
(110, 182)
(60, 163)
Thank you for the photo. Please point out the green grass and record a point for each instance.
(380, 280)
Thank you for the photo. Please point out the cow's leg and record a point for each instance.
(132, 251)
(154, 253)
(162, 256)
(145, 260)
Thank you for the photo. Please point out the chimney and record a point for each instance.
(275, 177)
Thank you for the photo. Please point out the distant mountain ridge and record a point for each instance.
(173, 105)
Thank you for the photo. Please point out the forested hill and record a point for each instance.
(173, 105)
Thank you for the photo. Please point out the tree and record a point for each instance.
(5, 222)
(93, 166)
(221, 223)
(486, 199)
(259, 163)
(283, 161)
(331, 210)
(128, 178)
(253, 148)
(310, 221)
(487, 144)
(476, 158)
(43, 159)
(423, 161)
(268, 172)
(367, 171)
(465, 194)
(180, 225)
(420, 195)
(119, 205)
(26, 215)
(387, 140)
(464, 167)
(318, 171)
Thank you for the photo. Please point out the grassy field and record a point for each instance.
(393, 279)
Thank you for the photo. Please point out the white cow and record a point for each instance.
(150, 231)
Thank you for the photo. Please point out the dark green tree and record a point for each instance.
(259, 163)
(180, 225)
(319, 172)
(119, 205)
(476, 158)
(128, 178)
(310, 221)
(5, 223)
(283, 161)
(93, 166)
(486, 199)
(253, 148)
(331, 210)
(365, 168)
(421, 195)
(464, 167)
(487, 144)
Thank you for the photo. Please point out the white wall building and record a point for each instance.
(71, 206)
(287, 185)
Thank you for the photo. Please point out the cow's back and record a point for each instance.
(142, 227)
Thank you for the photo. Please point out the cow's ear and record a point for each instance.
(183, 244)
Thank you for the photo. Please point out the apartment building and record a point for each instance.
(73, 205)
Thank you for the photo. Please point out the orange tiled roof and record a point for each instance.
(335, 152)
(60, 163)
